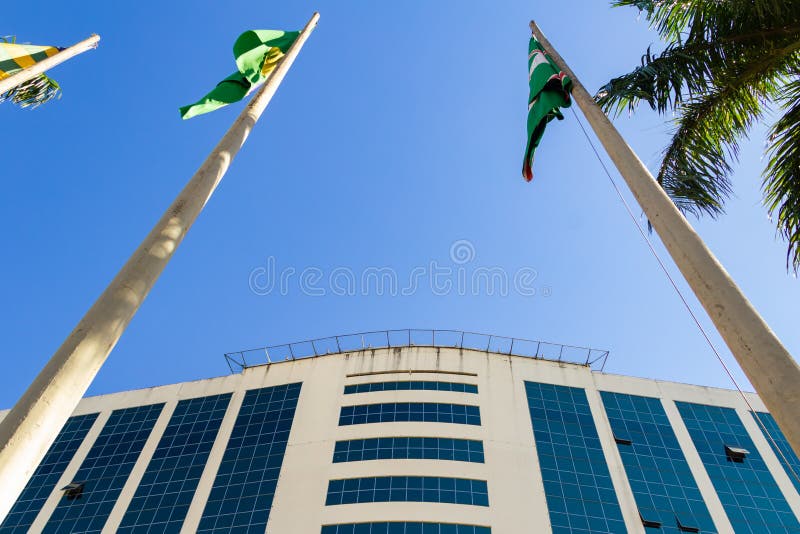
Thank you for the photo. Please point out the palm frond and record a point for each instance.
(663, 81)
(33, 93)
(696, 167)
(681, 20)
(782, 176)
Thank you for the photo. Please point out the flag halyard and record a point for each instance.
(550, 90)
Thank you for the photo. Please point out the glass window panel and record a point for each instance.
(391, 412)
(47, 474)
(578, 489)
(266, 417)
(105, 470)
(163, 507)
(408, 489)
(749, 494)
(410, 385)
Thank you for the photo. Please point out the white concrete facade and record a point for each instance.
(517, 502)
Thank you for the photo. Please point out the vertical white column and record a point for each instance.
(616, 469)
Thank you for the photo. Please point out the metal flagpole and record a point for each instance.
(772, 371)
(33, 424)
(36, 69)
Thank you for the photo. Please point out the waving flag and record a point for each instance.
(16, 57)
(549, 90)
(257, 53)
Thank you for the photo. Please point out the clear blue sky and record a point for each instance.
(399, 131)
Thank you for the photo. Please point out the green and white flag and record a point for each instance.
(257, 53)
(549, 90)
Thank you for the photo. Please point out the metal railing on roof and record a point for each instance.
(414, 337)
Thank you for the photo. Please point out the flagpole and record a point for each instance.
(772, 371)
(33, 424)
(6, 84)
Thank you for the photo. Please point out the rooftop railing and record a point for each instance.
(383, 339)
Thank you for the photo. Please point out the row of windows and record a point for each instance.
(392, 412)
(404, 528)
(407, 448)
(411, 385)
(407, 489)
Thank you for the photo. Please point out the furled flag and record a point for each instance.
(257, 53)
(549, 90)
(38, 90)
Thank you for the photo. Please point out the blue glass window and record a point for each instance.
(105, 470)
(579, 492)
(749, 494)
(241, 497)
(167, 487)
(390, 412)
(408, 385)
(407, 448)
(408, 489)
(404, 527)
(781, 447)
(662, 483)
(44, 479)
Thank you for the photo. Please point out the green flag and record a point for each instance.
(257, 52)
(549, 90)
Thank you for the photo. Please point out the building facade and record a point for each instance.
(416, 440)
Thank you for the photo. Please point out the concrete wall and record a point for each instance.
(516, 493)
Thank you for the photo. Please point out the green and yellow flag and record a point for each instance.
(16, 57)
(257, 53)
(549, 90)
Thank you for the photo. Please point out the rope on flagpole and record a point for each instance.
(683, 299)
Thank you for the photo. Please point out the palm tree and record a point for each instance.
(727, 65)
(34, 92)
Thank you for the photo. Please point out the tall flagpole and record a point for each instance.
(33, 424)
(6, 84)
(768, 365)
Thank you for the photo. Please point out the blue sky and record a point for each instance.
(398, 132)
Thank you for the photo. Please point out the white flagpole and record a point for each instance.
(6, 84)
(768, 365)
(33, 424)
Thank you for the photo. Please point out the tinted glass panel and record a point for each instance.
(406, 448)
(404, 528)
(784, 452)
(411, 385)
(662, 483)
(241, 497)
(390, 412)
(167, 487)
(408, 489)
(105, 471)
(748, 492)
(44, 479)
(577, 485)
